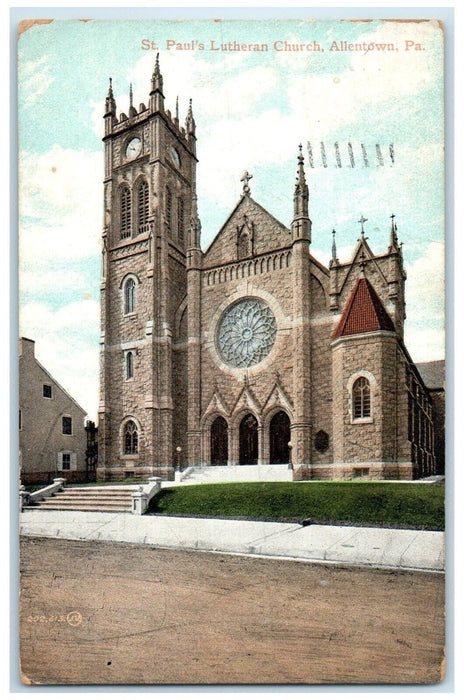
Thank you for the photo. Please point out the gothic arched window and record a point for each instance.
(168, 208)
(243, 246)
(129, 296)
(126, 212)
(129, 364)
(361, 398)
(131, 438)
(180, 220)
(143, 205)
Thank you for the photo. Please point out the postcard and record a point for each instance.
(232, 351)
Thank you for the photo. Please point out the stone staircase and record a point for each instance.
(245, 472)
(111, 499)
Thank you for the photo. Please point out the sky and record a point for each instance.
(252, 110)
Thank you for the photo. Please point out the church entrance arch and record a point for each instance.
(219, 450)
(279, 437)
(248, 436)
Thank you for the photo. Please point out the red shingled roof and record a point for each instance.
(363, 312)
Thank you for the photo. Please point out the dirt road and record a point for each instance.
(99, 613)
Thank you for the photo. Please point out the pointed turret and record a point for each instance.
(189, 120)
(301, 224)
(301, 196)
(132, 110)
(110, 102)
(396, 276)
(156, 94)
(190, 127)
(334, 260)
(394, 246)
(110, 110)
(195, 226)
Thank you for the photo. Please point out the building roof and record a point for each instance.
(364, 312)
(433, 373)
(46, 372)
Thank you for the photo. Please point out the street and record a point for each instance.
(107, 613)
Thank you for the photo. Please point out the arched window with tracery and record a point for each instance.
(131, 438)
(129, 296)
(143, 205)
(126, 212)
(361, 398)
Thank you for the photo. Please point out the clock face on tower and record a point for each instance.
(133, 148)
(174, 156)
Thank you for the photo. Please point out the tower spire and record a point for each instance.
(190, 121)
(301, 224)
(132, 110)
(110, 103)
(393, 236)
(156, 94)
(195, 224)
(334, 259)
(157, 78)
(334, 246)
(301, 196)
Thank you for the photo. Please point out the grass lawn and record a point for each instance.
(366, 503)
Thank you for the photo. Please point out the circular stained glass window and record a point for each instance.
(246, 333)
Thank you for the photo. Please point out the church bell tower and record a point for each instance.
(149, 191)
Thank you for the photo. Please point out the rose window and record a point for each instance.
(246, 333)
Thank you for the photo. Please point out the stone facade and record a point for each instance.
(52, 436)
(250, 351)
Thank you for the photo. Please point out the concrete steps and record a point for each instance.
(100, 499)
(243, 472)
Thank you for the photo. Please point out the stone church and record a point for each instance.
(251, 351)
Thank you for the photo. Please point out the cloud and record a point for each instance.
(217, 89)
(41, 279)
(67, 346)
(426, 284)
(390, 74)
(60, 204)
(240, 125)
(425, 344)
(425, 309)
(37, 318)
(34, 79)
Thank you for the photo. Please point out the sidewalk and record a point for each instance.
(358, 546)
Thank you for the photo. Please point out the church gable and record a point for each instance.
(385, 272)
(248, 232)
(217, 404)
(278, 397)
(246, 401)
(364, 259)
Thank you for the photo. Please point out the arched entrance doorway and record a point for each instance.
(248, 440)
(219, 451)
(279, 437)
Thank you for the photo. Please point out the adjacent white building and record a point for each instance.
(52, 436)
